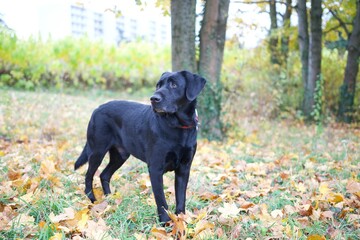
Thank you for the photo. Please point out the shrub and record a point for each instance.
(79, 63)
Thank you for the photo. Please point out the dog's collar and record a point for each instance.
(196, 125)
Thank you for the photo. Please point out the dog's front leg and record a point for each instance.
(182, 174)
(156, 178)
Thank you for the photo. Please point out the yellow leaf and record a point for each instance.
(336, 197)
(203, 225)
(324, 188)
(316, 237)
(47, 167)
(82, 217)
(99, 194)
(159, 233)
(57, 236)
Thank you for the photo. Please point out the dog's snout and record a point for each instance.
(155, 98)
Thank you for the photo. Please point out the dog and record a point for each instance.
(163, 135)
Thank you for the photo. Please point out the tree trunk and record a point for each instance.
(286, 29)
(212, 41)
(347, 90)
(183, 35)
(303, 29)
(273, 42)
(314, 75)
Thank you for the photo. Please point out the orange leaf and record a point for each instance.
(179, 228)
(13, 175)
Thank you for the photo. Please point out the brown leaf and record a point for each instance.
(353, 186)
(99, 209)
(306, 210)
(13, 175)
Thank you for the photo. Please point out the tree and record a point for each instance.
(212, 41)
(303, 40)
(347, 90)
(312, 80)
(286, 27)
(273, 39)
(279, 31)
(183, 16)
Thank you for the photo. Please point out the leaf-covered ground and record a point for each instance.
(269, 180)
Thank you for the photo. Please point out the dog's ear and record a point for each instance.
(165, 74)
(194, 84)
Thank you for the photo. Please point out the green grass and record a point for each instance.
(274, 165)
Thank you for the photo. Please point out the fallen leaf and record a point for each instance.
(306, 210)
(335, 197)
(203, 225)
(99, 209)
(229, 210)
(179, 227)
(159, 233)
(56, 236)
(277, 213)
(316, 237)
(353, 186)
(69, 213)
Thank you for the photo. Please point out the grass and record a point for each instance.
(270, 171)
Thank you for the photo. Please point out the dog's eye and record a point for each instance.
(173, 85)
(157, 86)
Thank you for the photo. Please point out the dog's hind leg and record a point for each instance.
(117, 159)
(95, 160)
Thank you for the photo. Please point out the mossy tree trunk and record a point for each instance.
(315, 47)
(212, 42)
(347, 90)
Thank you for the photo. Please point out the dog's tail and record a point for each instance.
(83, 158)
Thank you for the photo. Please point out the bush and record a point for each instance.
(79, 63)
(261, 87)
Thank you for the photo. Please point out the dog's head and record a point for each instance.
(176, 89)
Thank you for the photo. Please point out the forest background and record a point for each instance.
(285, 116)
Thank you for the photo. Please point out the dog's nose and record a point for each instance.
(155, 98)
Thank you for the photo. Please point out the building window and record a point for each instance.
(133, 29)
(78, 21)
(152, 30)
(98, 25)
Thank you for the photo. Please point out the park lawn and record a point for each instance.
(271, 179)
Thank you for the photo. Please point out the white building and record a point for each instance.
(94, 18)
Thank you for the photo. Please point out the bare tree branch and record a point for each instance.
(341, 22)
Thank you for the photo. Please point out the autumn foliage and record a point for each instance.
(268, 180)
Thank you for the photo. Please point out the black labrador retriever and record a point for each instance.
(162, 134)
